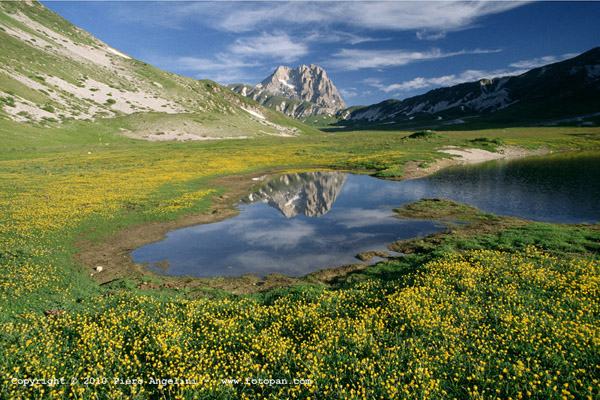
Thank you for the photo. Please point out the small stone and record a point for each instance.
(53, 313)
(99, 268)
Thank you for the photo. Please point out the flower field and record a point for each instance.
(481, 324)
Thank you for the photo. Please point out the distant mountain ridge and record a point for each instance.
(568, 89)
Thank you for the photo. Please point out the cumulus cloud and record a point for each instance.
(335, 36)
(285, 31)
(432, 16)
(289, 236)
(247, 52)
(358, 217)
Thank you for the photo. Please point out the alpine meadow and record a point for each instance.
(494, 295)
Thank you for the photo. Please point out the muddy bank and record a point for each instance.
(113, 254)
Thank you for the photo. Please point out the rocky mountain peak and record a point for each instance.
(305, 83)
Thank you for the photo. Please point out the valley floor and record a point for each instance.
(461, 317)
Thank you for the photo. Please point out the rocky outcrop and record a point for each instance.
(310, 193)
(294, 108)
(305, 83)
(300, 93)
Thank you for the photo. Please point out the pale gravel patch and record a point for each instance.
(27, 37)
(23, 105)
(79, 92)
(25, 80)
(178, 136)
(70, 48)
(141, 99)
(282, 130)
(35, 85)
(280, 134)
(473, 156)
(413, 170)
(251, 112)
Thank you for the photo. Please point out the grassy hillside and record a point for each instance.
(53, 72)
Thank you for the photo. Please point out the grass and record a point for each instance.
(422, 327)
(490, 232)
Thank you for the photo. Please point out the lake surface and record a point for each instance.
(298, 223)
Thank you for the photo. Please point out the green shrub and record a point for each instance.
(425, 134)
(8, 100)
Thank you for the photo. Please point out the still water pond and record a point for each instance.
(298, 223)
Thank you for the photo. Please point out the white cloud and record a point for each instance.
(400, 15)
(284, 31)
(231, 65)
(541, 61)
(277, 47)
(358, 217)
(445, 80)
(205, 64)
(335, 36)
(245, 16)
(348, 93)
(224, 68)
(427, 35)
(466, 76)
(288, 236)
(354, 59)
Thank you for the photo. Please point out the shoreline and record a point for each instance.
(114, 253)
(412, 170)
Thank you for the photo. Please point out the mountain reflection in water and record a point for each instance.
(355, 214)
(308, 193)
(277, 232)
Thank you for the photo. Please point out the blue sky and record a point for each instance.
(371, 50)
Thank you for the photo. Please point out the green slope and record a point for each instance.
(53, 72)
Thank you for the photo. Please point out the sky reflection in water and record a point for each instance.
(332, 216)
(300, 223)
